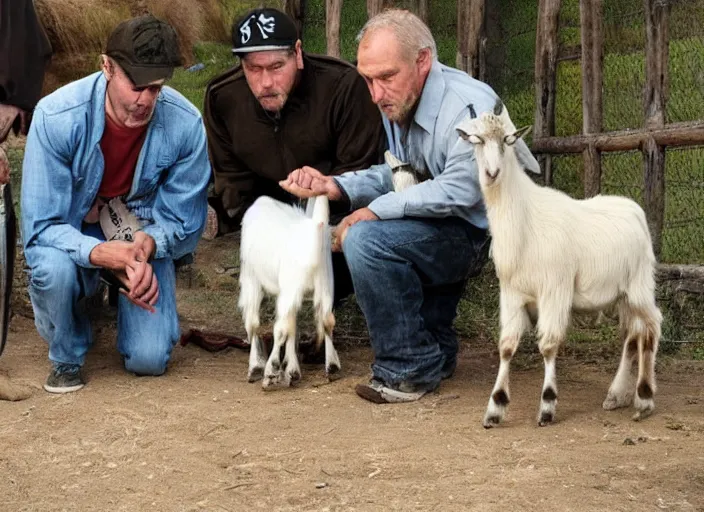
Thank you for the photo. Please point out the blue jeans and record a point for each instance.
(408, 277)
(58, 289)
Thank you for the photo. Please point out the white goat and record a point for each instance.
(286, 252)
(555, 254)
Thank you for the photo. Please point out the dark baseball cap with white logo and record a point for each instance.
(262, 30)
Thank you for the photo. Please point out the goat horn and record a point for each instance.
(498, 107)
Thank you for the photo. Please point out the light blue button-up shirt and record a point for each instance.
(63, 169)
(433, 145)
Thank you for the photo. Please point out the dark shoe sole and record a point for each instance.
(366, 392)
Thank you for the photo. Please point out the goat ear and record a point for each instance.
(511, 139)
(470, 137)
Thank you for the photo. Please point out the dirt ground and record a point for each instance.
(202, 438)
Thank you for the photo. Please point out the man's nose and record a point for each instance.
(377, 92)
(267, 80)
(148, 96)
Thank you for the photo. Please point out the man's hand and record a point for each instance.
(340, 231)
(129, 261)
(114, 255)
(308, 182)
(146, 300)
(146, 246)
(4, 168)
(118, 255)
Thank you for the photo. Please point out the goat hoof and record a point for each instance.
(255, 374)
(641, 415)
(644, 410)
(332, 372)
(545, 419)
(272, 382)
(294, 376)
(491, 421)
(614, 401)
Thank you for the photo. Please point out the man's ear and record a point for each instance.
(106, 67)
(424, 60)
(299, 54)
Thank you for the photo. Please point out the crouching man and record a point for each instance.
(114, 184)
(411, 251)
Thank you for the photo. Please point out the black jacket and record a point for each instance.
(328, 122)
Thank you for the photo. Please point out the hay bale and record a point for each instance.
(80, 28)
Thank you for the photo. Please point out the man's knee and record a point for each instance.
(361, 242)
(54, 273)
(148, 358)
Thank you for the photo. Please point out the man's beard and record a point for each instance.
(405, 111)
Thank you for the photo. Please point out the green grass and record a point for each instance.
(216, 57)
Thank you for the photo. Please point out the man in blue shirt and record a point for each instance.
(411, 251)
(114, 182)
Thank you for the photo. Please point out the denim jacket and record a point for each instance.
(63, 167)
(433, 147)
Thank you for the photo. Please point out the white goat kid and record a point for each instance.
(556, 254)
(286, 252)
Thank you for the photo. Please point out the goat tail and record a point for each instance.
(319, 209)
(325, 286)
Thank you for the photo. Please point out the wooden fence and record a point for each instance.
(651, 140)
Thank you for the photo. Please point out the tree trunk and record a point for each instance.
(470, 37)
(333, 10)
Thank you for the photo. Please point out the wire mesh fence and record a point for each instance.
(623, 91)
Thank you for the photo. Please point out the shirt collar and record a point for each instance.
(431, 98)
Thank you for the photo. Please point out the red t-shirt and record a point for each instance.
(121, 147)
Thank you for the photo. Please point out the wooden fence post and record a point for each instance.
(592, 28)
(656, 91)
(333, 10)
(546, 46)
(374, 7)
(424, 10)
(470, 37)
(296, 9)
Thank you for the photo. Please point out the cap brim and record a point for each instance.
(253, 49)
(142, 76)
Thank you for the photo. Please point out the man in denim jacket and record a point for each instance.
(114, 184)
(411, 251)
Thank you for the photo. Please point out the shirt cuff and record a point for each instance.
(162, 245)
(85, 247)
(389, 206)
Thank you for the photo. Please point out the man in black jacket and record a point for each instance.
(282, 109)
